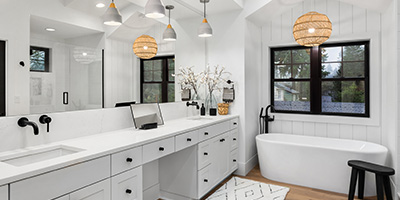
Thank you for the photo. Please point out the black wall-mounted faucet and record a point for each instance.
(44, 119)
(23, 122)
(193, 104)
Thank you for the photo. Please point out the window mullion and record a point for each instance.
(315, 101)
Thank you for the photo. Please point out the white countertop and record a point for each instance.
(100, 145)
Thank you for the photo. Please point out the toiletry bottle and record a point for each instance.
(202, 110)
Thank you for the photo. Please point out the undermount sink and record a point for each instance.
(38, 155)
(200, 118)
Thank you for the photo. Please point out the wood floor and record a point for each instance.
(296, 192)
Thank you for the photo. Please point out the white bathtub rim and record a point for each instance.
(382, 149)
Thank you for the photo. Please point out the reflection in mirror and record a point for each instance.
(146, 114)
(66, 66)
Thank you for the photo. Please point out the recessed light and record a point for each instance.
(100, 5)
(50, 29)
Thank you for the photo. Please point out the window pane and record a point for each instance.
(157, 65)
(301, 71)
(292, 96)
(353, 69)
(282, 71)
(148, 65)
(171, 76)
(282, 57)
(157, 76)
(152, 92)
(148, 76)
(343, 97)
(331, 54)
(171, 63)
(331, 70)
(301, 56)
(354, 53)
(171, 69)
(171, 92)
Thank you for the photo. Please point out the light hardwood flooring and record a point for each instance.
(296, 192)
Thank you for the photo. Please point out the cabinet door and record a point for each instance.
(128, 185)
(98, 191)
(4, 192)
(220, 157)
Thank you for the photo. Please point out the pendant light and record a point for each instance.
(312, 29)
(205, 29)
(145, 47)
(112, 17)
(154, 9)
(169, 33)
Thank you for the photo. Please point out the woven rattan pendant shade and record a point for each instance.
(312, 29)
(145, 47)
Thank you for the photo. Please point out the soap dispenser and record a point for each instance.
(202, 110)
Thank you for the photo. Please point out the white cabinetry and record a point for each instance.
(4, 192)
(128, 185)
(158, 149)
(98, 191)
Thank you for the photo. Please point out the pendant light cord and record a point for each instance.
(204, 9)
(169, 16)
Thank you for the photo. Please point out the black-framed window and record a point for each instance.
(2, 78)
(157, 79)
(40, 59)
(332, 79)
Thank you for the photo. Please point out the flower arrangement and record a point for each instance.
(214, 80)
(189, 79)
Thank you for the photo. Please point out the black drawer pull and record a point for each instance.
(128, 191)
(189, 139)
(234, 160)
(129, 160)
(161, 149)
(234, 123)
(222, 140)
(205, 133)
(205, 153)
(206, 180)
(234, 139)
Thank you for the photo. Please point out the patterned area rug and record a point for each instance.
(244, 189)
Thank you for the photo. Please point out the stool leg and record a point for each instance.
(353, 182)
(361, 180)
(379, 186)
(388, 190)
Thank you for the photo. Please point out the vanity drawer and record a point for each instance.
(186, 140)
(158, 149)
(234, 123)
(214, 130)
(4, 192)
(128, 185)
(234, 139)
(126, 160)
(204, 181)
(204, 154)
(61, 182)
(233, 160)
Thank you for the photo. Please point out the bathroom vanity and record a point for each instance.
(194, 155)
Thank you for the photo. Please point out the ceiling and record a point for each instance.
(63, 30)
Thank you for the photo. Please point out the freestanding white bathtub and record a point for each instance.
(316, 162)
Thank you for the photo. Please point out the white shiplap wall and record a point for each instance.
(348, 22)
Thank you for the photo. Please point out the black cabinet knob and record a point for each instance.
(206, 180)
(189, 139)
(161, 149)
(205, 133)
(222, 140)
(205, 153)
(128, 191)
(234, 123)
(234, 160)
(129, 160)
(234, 139)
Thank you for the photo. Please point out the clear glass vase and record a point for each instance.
(211, 101)
(195, 97)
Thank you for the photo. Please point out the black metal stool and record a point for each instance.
(382, 174)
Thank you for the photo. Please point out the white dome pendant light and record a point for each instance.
(205, 29)
(169, 33)
(154, 9)
(112, 17)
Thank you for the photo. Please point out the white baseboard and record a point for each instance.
(245, 168)
(152, 192)
(170, 196)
